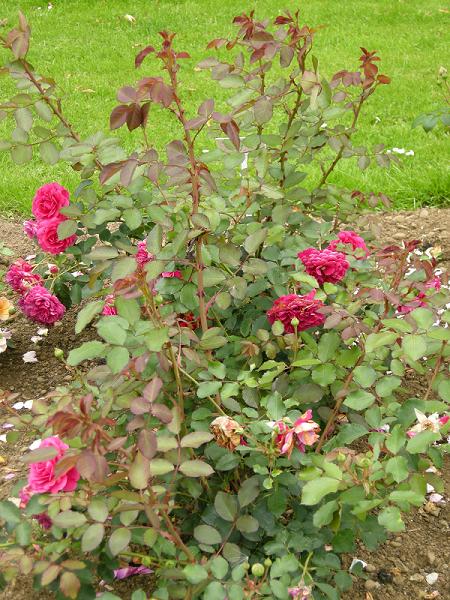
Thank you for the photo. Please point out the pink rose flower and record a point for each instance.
(47, 236)
(42, 478)
(109, 309)
(435, 283)
(30, 228)
(20, 276)
(48, 201)
(143, 256)
(170, 274)
(349, 238)
(126, 572)
(325, 265)
(304, 308)
(300, 592)
(41, 306)
(302, 434)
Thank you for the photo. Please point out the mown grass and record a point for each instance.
(88, 47)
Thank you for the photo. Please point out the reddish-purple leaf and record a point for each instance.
(109, 170)
(206, 108)
(139, 406)
(152, 389)
(142, 54)
(161, 412)
(134, 117)
(92, 466)
(126, 94)
(118, 116)
(147, 443)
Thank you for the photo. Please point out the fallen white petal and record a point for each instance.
(29, 357)
(42, 331)
(35, 339)
(432, 578)
(430, 488)
(436, 498)
(18, 405)
(3, 437)
(356, 561)
(35, 445)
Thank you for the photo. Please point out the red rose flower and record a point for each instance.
(48, 201)
(349, 238)
(324, 265)
(304, 308)
(47, 236)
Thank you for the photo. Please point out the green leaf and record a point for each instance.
(156, 338)
(205, 534)
(196, 439)
(396, 439)
(208, 388)
(421, 441)
(117, 359)
(324, 515)
(49, 152)
(365, 376)
(68, 519)
(213, 276)
(214, 591)
(398, 468)
(87, 351)
(324, 375)
(391, 519)
(414, 346)
(23, 533)
(359, 400)
(102, 253)
(195, 573)
(316, 489)
(92, 537)
(132, 217)
(254, 240)
(119, 540)
(160, 466)
(386, 385)
(139, 472)
(21, 154)
(98, 510)
(328, 344)
(9, 512)
(398, 324)
(196, 468)
(444, 390)
(218, 567)
(40, 455)
(423, 317)
(111, 331)
(123, 267)
(87, 313)
(226, 506)
(249, 491)
(66, 229)
(247, 524)
(378, 340)
(128, 308)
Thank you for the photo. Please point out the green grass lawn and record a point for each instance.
(89, 47)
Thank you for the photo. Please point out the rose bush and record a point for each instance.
(241, 416)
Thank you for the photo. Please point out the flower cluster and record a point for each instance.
(325, 265)
(305, 309)
(303, 433)
(47, 204)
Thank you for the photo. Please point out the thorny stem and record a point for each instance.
(436, 370)
(195, 200)
(338, 156)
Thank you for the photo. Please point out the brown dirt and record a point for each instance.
(422, 549)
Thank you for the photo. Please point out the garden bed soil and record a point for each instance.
(397, 570)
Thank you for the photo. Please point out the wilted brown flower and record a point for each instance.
(227, 432)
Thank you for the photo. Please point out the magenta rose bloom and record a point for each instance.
(20, 276)
(324, 265)
(41, 306)
(48, 201)
(30, 228)
(172, 274)
(304, 308)
(109, 309)
(143, 256)
(47, 236)
(349, 238)
(42, 478)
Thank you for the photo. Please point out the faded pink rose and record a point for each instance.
(42, 478)
(30, 228)
(170, 274)
(435, 283)
(300, 592)
(126, 572)
(20, 276)
(48, 201)
(109, 309)
(303, 433)
(304, 308)
(47, 236)
(349, 238)
(143, 256)
(39, 305)
(431, 423)
(325, 265)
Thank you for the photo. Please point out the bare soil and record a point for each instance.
(397, 570)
